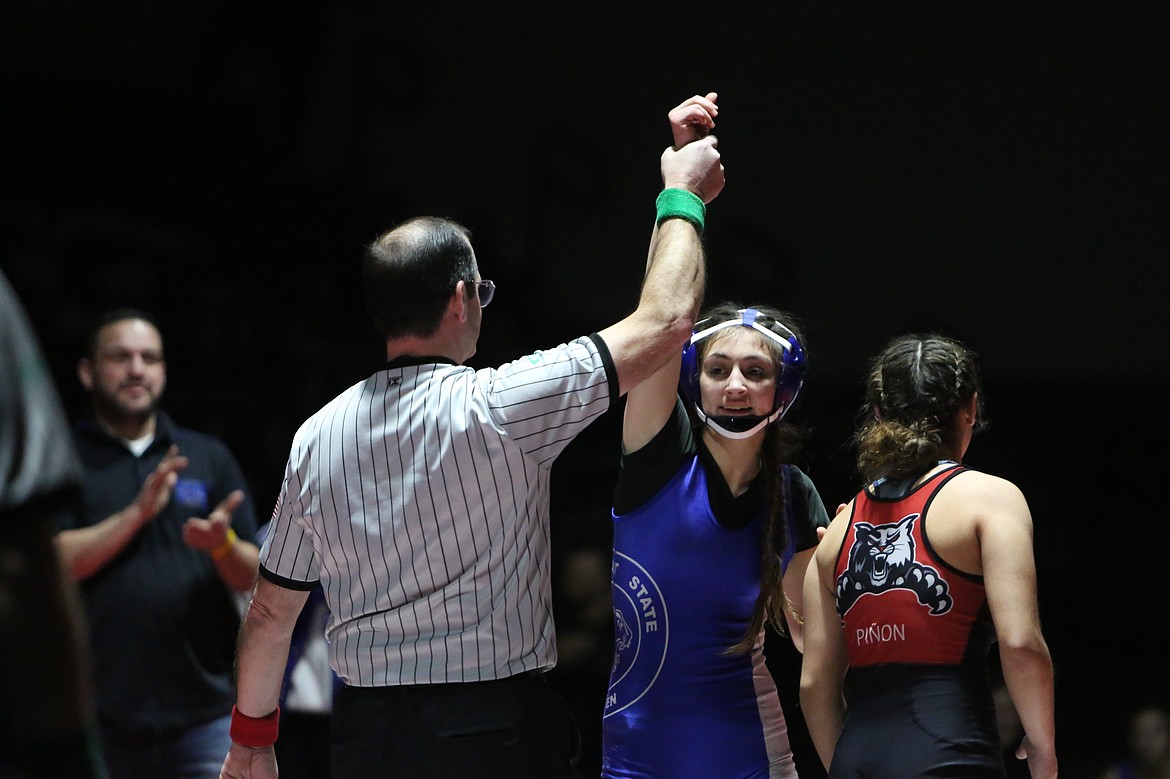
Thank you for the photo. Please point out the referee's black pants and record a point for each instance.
(513, 728)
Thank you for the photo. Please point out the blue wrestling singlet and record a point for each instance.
(684, 588)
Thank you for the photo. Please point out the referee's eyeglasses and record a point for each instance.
(486, 290)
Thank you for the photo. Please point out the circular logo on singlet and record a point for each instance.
(641, 633)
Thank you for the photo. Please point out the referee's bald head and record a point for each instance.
(410, 271)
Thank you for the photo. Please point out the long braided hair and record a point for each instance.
(780, 443)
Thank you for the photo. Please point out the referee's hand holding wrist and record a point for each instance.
(695, 167)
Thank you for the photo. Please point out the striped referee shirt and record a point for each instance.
(419, 498)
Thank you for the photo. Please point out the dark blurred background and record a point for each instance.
(996, 172)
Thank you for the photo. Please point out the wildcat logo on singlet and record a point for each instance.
(882, 558)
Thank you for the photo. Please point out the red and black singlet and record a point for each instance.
(899, 601)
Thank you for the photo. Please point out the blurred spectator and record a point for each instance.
(160, 540)
(1149, 747)
(584, 614)
(46, 716)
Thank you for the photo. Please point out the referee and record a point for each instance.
(419, 500)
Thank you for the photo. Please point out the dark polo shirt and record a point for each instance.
(162, 624)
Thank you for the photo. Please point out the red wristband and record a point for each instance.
(254, 732)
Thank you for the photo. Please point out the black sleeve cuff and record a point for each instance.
(288, 584)
(610, 368)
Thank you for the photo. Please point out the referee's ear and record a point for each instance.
(459, 302)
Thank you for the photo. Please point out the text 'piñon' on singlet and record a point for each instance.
(899, 601)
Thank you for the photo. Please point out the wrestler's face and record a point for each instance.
(738, 376)
(127, 374)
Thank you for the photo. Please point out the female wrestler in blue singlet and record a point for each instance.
(707, 519)
(915, 578)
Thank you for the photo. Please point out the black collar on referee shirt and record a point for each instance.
(406, 360)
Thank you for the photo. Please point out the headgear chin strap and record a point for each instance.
(728, 427)
(789, 376)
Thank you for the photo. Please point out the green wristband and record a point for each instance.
(681, 204)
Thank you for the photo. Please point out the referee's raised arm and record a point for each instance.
(419, 501)
(672, 291)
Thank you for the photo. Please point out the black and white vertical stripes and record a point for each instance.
(420, 500)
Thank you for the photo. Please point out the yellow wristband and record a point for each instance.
(226, 546)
